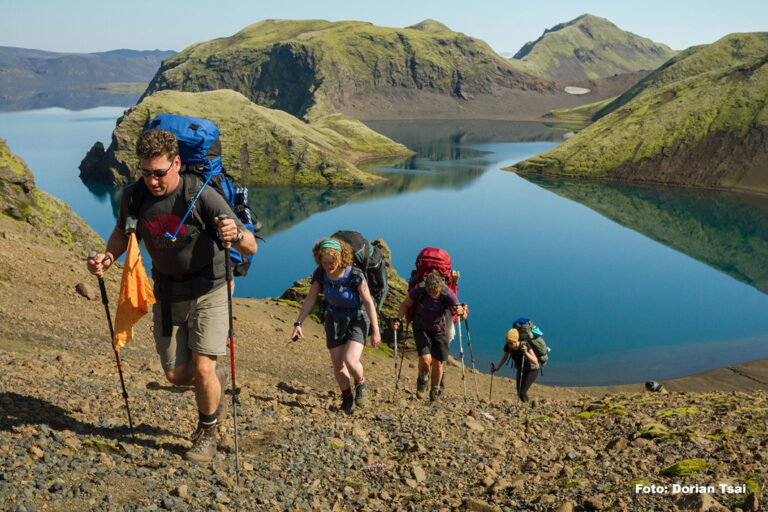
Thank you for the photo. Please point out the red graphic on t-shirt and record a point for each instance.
(166, 223)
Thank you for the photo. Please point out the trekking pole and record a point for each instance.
(396, 379)
(228, 263)
(472, 357)
(105, 301)
(461, 353)
(520, 376)
(490, 395)
(402, 358)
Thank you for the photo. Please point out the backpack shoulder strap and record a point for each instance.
(138, 193)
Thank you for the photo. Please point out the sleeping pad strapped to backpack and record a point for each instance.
(532, 335)
(200, 153)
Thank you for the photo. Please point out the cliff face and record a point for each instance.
(700, 120)
(309, 67)
(45, 215)
(589, 47)
(260, 146)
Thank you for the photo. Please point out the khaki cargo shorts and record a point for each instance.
(200, 324)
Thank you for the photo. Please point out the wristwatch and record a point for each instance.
(240, 236)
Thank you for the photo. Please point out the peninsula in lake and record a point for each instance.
(699, 120)
(260, 146)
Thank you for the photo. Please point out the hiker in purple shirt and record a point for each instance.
(434, 304)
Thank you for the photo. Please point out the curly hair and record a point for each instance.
(154, 143)
(343, 258)
(434, 282)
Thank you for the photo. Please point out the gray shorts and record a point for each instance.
(339, 331)
(200, 324)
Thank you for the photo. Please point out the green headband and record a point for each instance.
(330, 244)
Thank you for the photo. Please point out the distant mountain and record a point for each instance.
(700, 120)
(38, 79)
(589, 47)
(311, 67)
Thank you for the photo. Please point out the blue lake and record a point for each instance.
(659, 284)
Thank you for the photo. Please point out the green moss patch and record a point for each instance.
(653, 430)
(685, 468)
(720, 434)
(680, 411)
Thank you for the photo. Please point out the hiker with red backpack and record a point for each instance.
(191, 314)
(431, 305)
(350, 314)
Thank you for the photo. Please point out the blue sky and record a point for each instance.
(87, 26)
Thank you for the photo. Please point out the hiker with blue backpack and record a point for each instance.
(187, 240)
(351, 313)
(526, 348)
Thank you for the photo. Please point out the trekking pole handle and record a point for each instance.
(227, 248)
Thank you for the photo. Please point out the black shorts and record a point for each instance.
(429, 343)
(338, 331)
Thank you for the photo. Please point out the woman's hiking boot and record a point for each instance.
(435, 393)
(348, 403)
(361, 393)
(204, 442)
(422, 385)
(222, 373)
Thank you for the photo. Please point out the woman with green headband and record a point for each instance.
(350, 314)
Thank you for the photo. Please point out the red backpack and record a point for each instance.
(429, 259)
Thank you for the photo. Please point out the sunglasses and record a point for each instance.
(156, 174)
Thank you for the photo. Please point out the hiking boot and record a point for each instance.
(422, 384)
(204, 442)
(361, 393)
(435, 393)
(348, 403)
(222, 373)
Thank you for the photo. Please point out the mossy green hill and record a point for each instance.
(311, 67)
(699, 120)
(46, 216)
(589, 47)
(260, 146)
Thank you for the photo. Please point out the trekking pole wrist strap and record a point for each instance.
(109, 255)
(297, 324)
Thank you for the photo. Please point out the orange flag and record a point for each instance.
(135, 295)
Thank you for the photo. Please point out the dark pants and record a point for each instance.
(524, 381)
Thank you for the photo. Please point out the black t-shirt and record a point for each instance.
(195, 252)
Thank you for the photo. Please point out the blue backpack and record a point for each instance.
(200, 153)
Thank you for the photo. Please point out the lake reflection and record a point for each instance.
(724, 230)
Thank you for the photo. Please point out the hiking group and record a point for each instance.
(199, 232)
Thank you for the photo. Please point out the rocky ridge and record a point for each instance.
(309, 68)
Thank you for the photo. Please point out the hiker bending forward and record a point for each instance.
(350, 314)
(432, 329)
(191, 317)
(526, 361)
